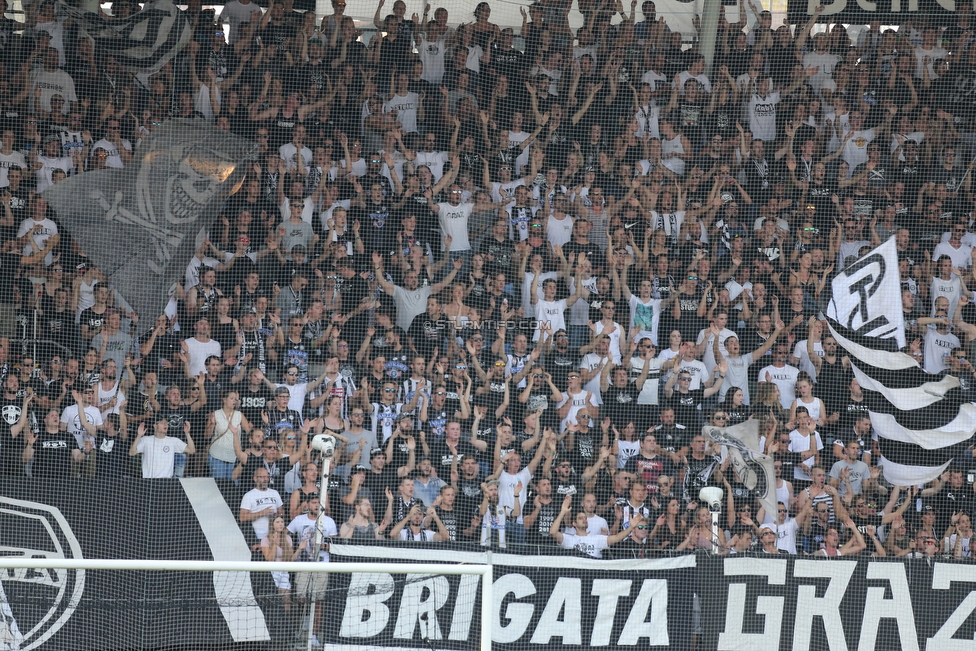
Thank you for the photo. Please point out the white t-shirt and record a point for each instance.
(198, 352)
(303, 528)
(801, 443)
(856, 149)
(506, 489)
(406, 107)
(256, 500)
(235, 13)
(579, 401)
(288, 152)
(454, 222)
(785, 379)
(114, 159)
(158, 455)
(70, 418)
(591, 545)
(645, 317)
(434, 160)
(938, 347)
(552, 312)
(762, 116)
(13, 159)
(297, 392)
(45, 175)
(961, 257)
(709, 357)
(48, 230)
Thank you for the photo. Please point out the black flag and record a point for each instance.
(139, 225)
(142, 43)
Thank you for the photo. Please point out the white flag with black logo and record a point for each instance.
(921, 419)
(142, 43)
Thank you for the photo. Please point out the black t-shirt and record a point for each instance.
(377, 483)
(539, 534)
(253, 403)
(93, 320)
(176, 416)
(52, 455)
(112, 456)
(441, 456)
(279, 420)
(685, 407)
(620, 403)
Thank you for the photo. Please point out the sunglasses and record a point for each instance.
(388, 390)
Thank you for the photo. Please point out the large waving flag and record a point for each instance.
(140, 225)
(142, 43)
(920, 418)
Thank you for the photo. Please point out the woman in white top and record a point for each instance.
(277, 547)
(224, 433)
(805, 398)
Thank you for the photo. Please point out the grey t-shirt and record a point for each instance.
(409, 304)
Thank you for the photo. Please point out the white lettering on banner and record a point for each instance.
(366, 613)
(654, 597)
(609, 591)
(732, 637)
(413, 607)
(898, 608)
(518, 615)
(840, 5)
(827, 608)
(467, 594)
(942, 578)
(565, 598)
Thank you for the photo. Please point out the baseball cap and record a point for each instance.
(282, 391)
(375, 452)
(360, 467)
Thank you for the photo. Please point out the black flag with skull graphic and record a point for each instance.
(142, 224)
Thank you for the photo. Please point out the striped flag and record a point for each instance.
(142, 43)
(922, 420)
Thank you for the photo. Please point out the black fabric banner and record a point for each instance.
(861, 12)
(808, 604)
(552, 602)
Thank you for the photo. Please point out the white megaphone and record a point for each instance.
(712, 497)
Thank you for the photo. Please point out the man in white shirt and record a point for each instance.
(91, 420)
(237, 12)
(9, 157)
(695, 71)
(117, 149)
(706, 340)
(453, 216)
(200, 348)
(52, 81)
(311, 585)
(782, 374)
(259, 505)
(511, 474)
(38, 229)
(434, 160)
(49, 160)
(589, 544)
(291, 152)
(159, 451)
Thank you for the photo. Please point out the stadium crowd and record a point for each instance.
(513, 282)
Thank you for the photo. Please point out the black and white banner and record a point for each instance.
(788, 603)
(916, 415)
(142, 43)
(543, 602)
(861, 12)
(139, 224)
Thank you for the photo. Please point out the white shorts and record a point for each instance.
(282, 580)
